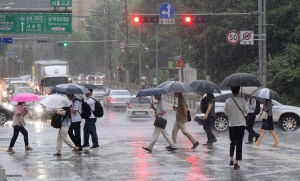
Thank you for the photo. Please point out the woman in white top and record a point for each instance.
(19, 114)
(63, 131)
(236, 108)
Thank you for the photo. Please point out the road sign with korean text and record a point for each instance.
(246, 37)
(61, 3)
(36, 23)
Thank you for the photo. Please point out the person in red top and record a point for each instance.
(18, 117)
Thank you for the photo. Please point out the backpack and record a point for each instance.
(257, 106)
(203, 104)
(85, 111)
(98, 112)
(56, 120)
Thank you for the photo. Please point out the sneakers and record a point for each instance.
(10, 150)
(168, 147)
(172, 149)
(28, 148)
(208, 144)
(57, 154)
(248, 142)
(195, 145)
(146, 148)
(85, 146)
(231, 163)
(94, 147)
(236, 167)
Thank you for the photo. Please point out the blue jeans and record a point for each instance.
(90, 129)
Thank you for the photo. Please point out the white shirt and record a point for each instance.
(251, 107)
(76, 105)
(161, 107)
(235, 116)
(91, 102)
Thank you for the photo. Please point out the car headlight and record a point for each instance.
(38, 109)
(79, 78)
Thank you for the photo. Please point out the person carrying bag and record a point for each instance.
(160, 125)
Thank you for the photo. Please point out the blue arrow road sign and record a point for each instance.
(7, 40)
(166, 10)
(10, 54)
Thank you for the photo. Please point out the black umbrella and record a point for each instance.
(70, 89)
(205, 86)
(88, 86)
(241, 79)
(176, 86)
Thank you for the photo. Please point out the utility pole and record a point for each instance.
(156, 57)
(126, 36)
(264, 76)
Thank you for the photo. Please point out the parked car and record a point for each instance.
(116, 98)
(99, 92)
(287, 117)
(6, 113)
(139, 107)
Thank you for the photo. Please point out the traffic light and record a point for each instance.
(137, 19)
(190, 19)
(65, 44)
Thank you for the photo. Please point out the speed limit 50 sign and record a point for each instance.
(233, 37)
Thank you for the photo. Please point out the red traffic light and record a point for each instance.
(187, 19)
(136, 19)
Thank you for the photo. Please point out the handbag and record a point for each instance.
(263, 115)
(22, 123)
(188, 114)
(160, 122)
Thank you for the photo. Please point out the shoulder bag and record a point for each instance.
(264, 115)
(240, 109)
(160, 122)
(22, 123)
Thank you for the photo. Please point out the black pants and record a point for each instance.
(75, 126)
(207, 128)
(24, 132)
(236, 135)
(250, 123)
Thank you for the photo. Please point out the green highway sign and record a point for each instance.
(61, 3)
(36, 23)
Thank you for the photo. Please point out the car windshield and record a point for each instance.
(19, 84)
(53, 81)
(142, 100)
(23, 89)
(113, 93)
(99, 86)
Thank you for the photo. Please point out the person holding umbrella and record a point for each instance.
(160, 111)
(181, 119)
(209, 118)
(62, 136)
(236, 109)
(18, 117)
(267, 124)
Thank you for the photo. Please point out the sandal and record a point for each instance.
(28, 148)
(57, 154)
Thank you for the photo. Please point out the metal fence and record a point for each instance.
(191, 98)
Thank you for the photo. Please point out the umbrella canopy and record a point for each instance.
(266, 93)
(248, 90)
(25, 97)
(205, 86)
(70, 89)
(55, 101)
(151, 92)
(88, 86)
(241, 79)
(176, 86)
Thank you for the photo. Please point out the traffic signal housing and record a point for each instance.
(65, 44)
(139, 19)
(191, 19)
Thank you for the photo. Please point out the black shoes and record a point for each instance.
(256, 137)
(231, 163)
(85, 146)
(146, 148)
(248, 142)
(172, 149)
(236, 167)
(94, 147)
(208, 143)
(215, 140)
(168, 147)
(195, 145)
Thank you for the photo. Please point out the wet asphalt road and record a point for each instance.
(121, 157)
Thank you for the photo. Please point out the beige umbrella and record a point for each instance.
(248, 90)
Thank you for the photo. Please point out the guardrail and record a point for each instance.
(191, 98)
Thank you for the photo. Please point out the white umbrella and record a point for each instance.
(266, 94)
(248, 90)
(55, 101)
